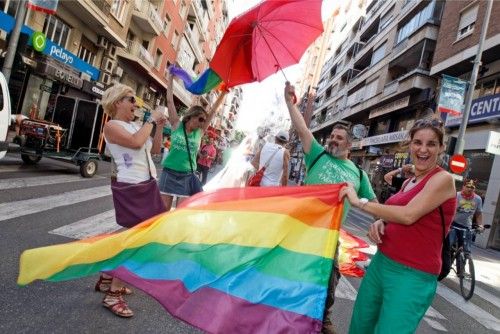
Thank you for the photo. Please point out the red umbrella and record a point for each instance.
(267, 38)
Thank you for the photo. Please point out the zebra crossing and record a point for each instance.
(437, 318)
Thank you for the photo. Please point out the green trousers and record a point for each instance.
(392, 298)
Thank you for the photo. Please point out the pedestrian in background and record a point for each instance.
(275, 157)
(401, 281)
(328, 167)
(206, 157)
(178, 178)
(130, 147)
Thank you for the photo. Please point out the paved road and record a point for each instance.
(50, 203)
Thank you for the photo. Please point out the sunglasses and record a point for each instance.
(131, 99)
(437, 123)
(470, 187)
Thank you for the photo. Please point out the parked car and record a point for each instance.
(5, 119)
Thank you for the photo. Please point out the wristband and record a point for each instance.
(150, 120)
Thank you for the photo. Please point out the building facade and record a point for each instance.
(455, 50)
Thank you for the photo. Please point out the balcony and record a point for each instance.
(194, 43)
(146, 16)
(138, 54)
(429, 32)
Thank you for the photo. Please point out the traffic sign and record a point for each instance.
(458, 164)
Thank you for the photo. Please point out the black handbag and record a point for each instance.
(445, 251)
(194, 183)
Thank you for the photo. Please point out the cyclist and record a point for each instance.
(469, 207)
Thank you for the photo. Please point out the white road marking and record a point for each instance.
(41, 181)
(16, 209)
(89, 227)
(475, 312)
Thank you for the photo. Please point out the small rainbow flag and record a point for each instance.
(207, 81)
(238, 260)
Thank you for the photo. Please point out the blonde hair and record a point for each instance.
(193, 112)
(112, 95)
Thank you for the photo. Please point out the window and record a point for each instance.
(378, 54)
(87, 50)
(166, 24)
(118, 9)
(467, 21)
(158, 58)
(9, 7)
(175, 39)
(416, 22)
(56, 30)
(488, 88)
(385, 19)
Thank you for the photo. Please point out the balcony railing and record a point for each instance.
(137, 50)
(103, 5)
(391, 88)
(147, 9)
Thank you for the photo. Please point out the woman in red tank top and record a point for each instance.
(401, 281)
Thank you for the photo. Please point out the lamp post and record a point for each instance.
(459, 149)
(14, 39)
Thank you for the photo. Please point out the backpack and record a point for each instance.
(445, 251)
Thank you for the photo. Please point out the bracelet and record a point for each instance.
(150, 120)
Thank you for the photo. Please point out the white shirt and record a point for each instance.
(274, 169)
(132, 164)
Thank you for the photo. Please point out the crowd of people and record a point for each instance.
(401, 280)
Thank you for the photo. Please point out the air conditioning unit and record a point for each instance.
(102, 42)
(118, 71)
(107, 64)
(105, 78)
(111, 51)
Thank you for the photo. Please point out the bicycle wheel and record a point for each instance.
(467, 277)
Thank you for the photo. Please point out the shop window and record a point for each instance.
(480, 164)
(56, 30)
(467, 21)
(118, 9)
(488, 88)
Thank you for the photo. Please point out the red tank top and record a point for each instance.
(418, 245)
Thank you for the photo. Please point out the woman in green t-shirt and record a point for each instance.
(178, 167)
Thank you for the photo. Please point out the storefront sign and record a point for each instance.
(493, 145)
(60, 73)
(51, 49)
(451, 95)
(390, 107)
(39, 41)
(387, 161)
(386, 138)
(94, 88)
(483, 108)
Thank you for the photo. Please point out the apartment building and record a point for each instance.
(378, 80)
(456, 48)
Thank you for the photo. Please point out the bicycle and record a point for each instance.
(463, 263)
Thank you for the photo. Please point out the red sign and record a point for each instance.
(458, 164)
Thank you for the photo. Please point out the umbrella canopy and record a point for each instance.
(269, 37)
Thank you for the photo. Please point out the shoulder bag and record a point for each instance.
(194, 183)
(255, 179)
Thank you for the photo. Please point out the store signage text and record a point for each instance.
(58, 52)
(389, 107)
(61, 74)
(483, 108)
(7, 24)
(386, 138)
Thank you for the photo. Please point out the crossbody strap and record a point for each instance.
(187, 146)
(323, 153)
(271, 158)
(442, 223)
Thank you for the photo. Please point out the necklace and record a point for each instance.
(415, 178)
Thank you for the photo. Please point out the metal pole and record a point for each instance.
(459, 149)
(14, 39)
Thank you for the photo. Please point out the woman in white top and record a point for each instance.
(130, 146)
(275, 157)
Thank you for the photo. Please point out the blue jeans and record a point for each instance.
(464, 238)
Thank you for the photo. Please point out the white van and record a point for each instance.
(4, 115)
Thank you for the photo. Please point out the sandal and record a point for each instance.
(114, 302)
(103, 285)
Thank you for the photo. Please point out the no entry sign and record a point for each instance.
(458, 164)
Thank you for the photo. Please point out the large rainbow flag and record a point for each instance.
(239, 260)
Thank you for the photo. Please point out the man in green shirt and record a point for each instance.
(325, 168)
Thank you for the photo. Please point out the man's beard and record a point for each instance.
(334, 150)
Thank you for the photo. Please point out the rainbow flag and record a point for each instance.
(207, 81)
(238, 260)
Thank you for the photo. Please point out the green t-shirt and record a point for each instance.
(329, 169)
(177, 158)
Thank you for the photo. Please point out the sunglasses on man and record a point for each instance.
(131, 99)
